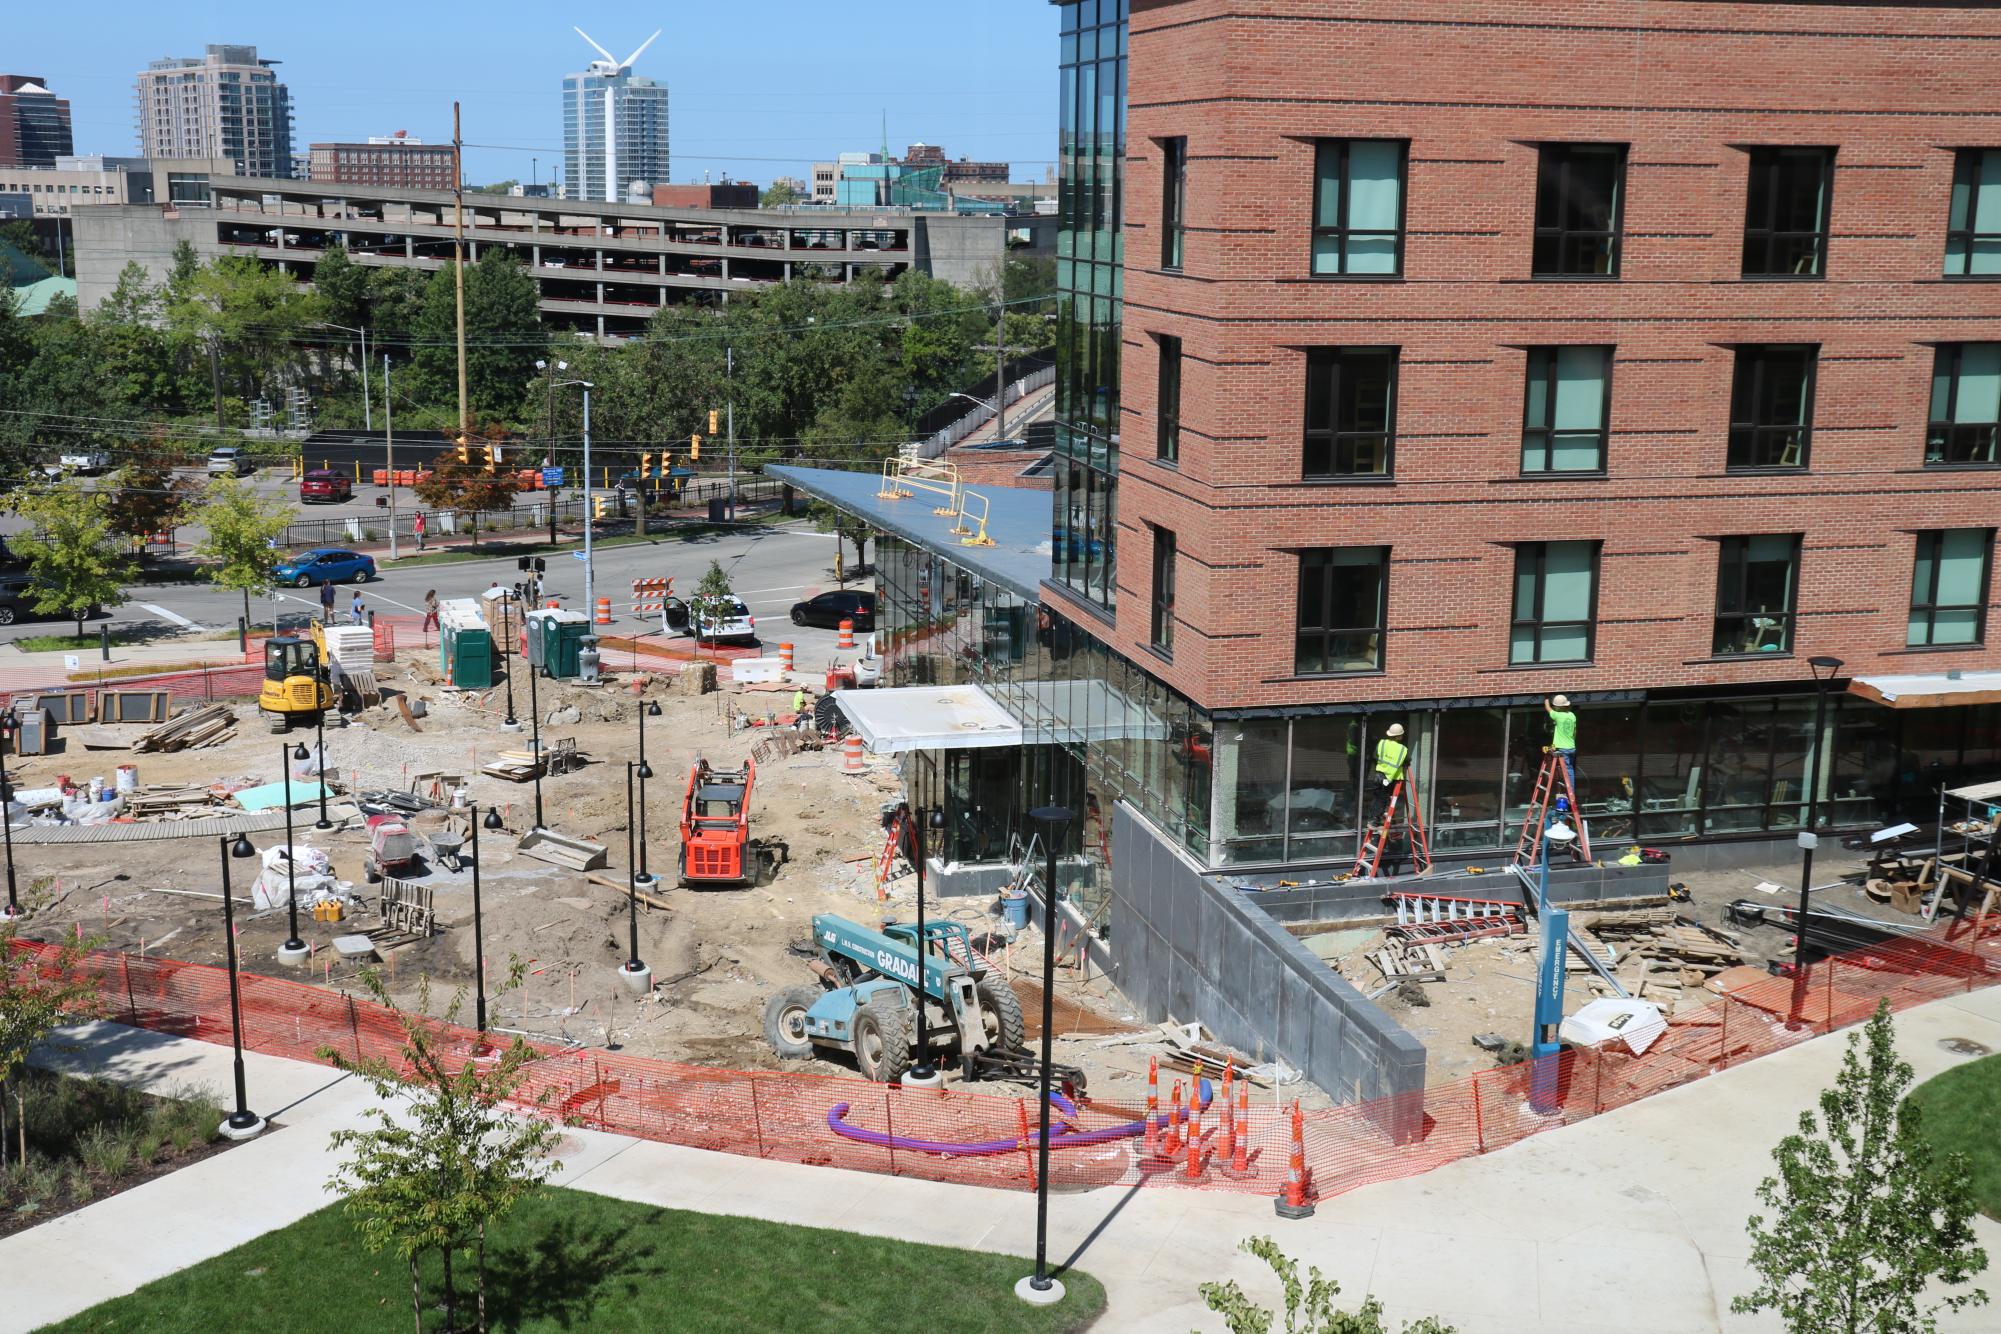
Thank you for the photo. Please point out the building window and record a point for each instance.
(1358, 206)
(1167, 409)
(1173, 201)
(1350, 411)
(1563, 420)
(1771, 407)
(1973, 230)
(1949, 587)
(1343, 601)
(1163, 590)
(1556, 599)
(1966, 404)
(1785, 220)
(1577, 206)
(1757, 582)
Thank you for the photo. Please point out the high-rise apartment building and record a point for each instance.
(229, 104)
(34, 123)
(393, 160)
(614, 129)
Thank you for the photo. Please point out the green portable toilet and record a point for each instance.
(465, 647)
(562, 635)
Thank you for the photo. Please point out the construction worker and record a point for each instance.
(1563, 735)
(1392, 764)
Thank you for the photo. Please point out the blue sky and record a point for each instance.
(759, 90)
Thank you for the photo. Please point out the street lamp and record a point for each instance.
(923, 1074)
(1543, 1082)
(535, 724)
(293, 952)
(590, 588)
(478, 938)
(636, 975)
(7, 729)
(1824, 669)
(510, 723)
(650, 709)
(1039, 1289)
(320, 741)
(242, 1123)
(367, 408)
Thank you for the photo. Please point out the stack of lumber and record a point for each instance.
(1694, 951)
(517, 766)
(197, 727)
(1418, 961)
(161, 802)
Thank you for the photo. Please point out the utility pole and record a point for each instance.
(1000, 337)
(459, 259)
(389, 432)
(729, 405)
(215, 374)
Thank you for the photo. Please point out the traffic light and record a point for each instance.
(712, 421)
(645, 466)
(666, 464)
(695, 446)
(599, 507)
(464, 450)
(492, 457)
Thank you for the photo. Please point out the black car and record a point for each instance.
(830, 609)
(17, 601)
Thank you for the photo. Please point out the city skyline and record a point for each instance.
(753, 114)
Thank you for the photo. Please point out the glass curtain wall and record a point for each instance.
(1089, 256)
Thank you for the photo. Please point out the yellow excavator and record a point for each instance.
(295, 680)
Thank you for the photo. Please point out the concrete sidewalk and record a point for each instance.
(1631, 1221)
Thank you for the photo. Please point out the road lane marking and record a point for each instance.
(173, 616)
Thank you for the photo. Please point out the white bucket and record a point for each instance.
(97, 787)
(128, 778)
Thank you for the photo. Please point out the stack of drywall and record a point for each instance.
(352, 646)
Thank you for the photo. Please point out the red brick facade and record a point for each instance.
(1474, 86)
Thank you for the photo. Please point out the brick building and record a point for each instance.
(394, 160)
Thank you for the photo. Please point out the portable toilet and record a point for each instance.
(465, 647)
(561, 638)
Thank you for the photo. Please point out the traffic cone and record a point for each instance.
(1240, 1160)
(1228, 1149)
(1194, 1136)
(1171, 1145)
(1293, 1204)
(1153, 1107)
(1021, 1124)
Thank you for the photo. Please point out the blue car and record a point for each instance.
(326, 565)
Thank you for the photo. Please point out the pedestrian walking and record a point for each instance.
(357, 614)
(431, 609)
(421, 528)
(327, 596)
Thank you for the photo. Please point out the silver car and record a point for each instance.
(228, 461)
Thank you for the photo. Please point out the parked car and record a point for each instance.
(17, 602)
(326, 565)
(734, 622)
(88, 462)
(228, 461)
(324, 484)
(830, 609)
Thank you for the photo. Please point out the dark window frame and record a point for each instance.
(1949, 430)
(1173, 201)
(1338, 229)
(1538, 552)
(1966, 164)
(1733, 597)
(1547, 354)
(1757, 432)
(1321, 625)
(1930, 607)
(1767, 167)
(1332, 437)
(1560, 156)
(1167, 400)
(1162, 601)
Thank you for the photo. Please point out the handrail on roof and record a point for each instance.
(903, 477)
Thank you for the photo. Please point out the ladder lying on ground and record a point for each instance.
(1369, 855)
(1554, 772)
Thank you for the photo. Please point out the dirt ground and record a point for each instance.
(716, 955)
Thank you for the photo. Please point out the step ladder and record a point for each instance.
(885, 861)
(1454, 933)
(1553, 775)
(1414, 909)
(1369, 855)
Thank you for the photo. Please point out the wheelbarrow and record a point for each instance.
(450, 849)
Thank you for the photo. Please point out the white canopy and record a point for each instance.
(909, 718)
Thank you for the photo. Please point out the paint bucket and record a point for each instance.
(1014, 906)
(128, 778)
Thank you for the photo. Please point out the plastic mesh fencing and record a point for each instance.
(973, 1137)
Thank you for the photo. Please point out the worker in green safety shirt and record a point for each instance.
(1563, 735)
(1392, 764)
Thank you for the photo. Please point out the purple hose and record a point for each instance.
(1070, 1138)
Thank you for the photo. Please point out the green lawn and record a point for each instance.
(568, 1260)
(1959, 1109)
(71, 643)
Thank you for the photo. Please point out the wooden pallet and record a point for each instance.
(197, 727)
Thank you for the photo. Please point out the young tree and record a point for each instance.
(1865, 1217)
(712, 598)
(467, 489)
(36, 995)
(147, 498)
(1309, 1307)
(241, 537)
(847, 528)
(74, 559)
(436, 1173)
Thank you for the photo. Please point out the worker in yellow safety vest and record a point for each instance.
(1392, 764)
(1563, 734)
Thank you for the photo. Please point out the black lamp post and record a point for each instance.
(293, 952)
(7, 726)
(478, 934)
(1039, 1289)
(1824, 669)
(651, 708)
(923, 1074)
(535, 722)
(512, 723)
(635, 974)
(320, 740)
(242, 1123)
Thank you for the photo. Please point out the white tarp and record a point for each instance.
(906, 718)
(1635, 1022)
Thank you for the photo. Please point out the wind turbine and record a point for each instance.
(612, 70)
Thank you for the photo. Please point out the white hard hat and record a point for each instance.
(1561, 701)
(1396, 729)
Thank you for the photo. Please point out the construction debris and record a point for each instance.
(578, 854)
(197, 727)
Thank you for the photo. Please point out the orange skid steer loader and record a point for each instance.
(716, 847)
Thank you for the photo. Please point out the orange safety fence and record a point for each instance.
(973, 1137)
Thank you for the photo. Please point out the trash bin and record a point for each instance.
(718, 510)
